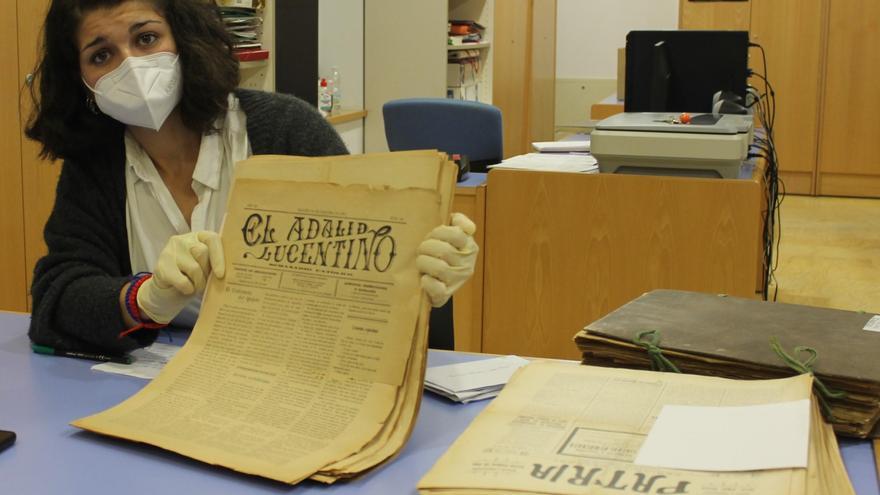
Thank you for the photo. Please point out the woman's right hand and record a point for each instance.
(181, 273)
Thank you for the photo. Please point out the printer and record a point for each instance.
(667, 143)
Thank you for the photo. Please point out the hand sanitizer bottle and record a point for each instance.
(325, 99)
(336, 89)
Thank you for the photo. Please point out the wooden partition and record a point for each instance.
(524, 79)
(27, 187)
(714, 15)
(468, 305)
(39, 177)
(12, 272)
(849, 148)
(792, 36)
(563, 250)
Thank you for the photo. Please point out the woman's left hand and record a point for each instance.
(446, 258)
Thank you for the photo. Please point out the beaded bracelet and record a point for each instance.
(131, 305)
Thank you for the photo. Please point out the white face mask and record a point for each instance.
(142, 91)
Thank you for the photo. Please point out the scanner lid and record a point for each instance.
(701, 123)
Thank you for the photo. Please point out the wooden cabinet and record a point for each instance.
(470, 199)
(791, 34)
(27, 189)
(39, 177)
(714, 15)
(849, 148)
(12, 246)
(562, 250)
(822, 58)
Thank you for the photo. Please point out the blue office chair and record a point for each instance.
(455, 127)
(468, 128)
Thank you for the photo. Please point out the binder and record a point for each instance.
(731, 337)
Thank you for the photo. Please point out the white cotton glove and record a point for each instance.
(446, 258)
(180, 274)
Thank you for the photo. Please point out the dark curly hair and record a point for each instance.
(61, 120)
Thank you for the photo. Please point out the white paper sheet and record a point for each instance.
(562, 146)
(741, 438)
(873, 324)
(473, 380)
(146, 363)
(466, 396)
(551, 162)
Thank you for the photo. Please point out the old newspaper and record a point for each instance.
(560, 428)
(304, 357)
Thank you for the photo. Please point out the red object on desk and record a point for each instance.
(251, 55)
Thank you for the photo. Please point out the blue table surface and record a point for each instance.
(473, 179)
(40, 395)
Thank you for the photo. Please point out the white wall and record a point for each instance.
(341, 45)
(404, 56)
(588, 34)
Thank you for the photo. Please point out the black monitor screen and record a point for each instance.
(680, 71)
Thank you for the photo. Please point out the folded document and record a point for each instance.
(473, 380)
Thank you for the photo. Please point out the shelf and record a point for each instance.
(469, 46)
(252, 58)
(253, 64)
(346, 115)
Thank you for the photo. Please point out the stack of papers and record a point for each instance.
(552, 162)
(243, 23)
(705, 334)
(564, 429)
(474, 380)
(146, 362)
(308, 356)
(580, 145)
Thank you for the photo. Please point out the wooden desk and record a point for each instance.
(606, 108)
(470, 199)
(42, 394)
(563, 250)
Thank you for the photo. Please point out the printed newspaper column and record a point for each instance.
(300, 353)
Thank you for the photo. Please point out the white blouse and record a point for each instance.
(152, 215)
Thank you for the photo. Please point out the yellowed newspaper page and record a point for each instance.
(826, 472)
(396, 170)
(299, 352)
(400, 423)
(566, 429)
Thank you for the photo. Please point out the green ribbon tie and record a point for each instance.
(650, 340)
(823, 393)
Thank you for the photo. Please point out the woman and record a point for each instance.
(138, 98)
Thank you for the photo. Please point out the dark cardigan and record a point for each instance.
(76, 285)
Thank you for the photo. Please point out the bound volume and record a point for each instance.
(732, 337)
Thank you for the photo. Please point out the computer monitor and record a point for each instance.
(680, 71)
